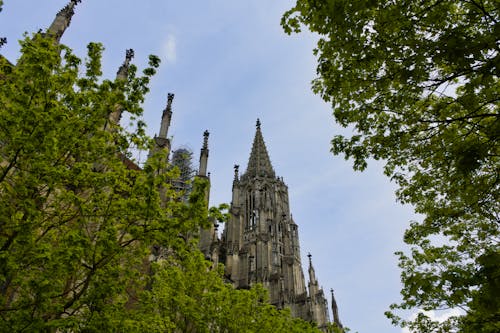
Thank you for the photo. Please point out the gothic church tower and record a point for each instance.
(261, 240)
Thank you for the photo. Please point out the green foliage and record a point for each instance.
(76, 223)
(88, 244)
(417, 82)
(484, 314)
(187, 295)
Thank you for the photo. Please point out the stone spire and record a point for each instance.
(313, 282)
(166, 117)
(62, 20)
(123, 70)
(122, 73)
(319, 304)
(161, 140)
(335, 311)
(259, 163)
(204, 156)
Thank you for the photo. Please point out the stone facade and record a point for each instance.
(260, 242)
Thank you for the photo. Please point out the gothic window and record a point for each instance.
(252, 214)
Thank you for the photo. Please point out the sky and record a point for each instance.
(228, 63)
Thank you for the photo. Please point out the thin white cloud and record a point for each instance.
(169, 49)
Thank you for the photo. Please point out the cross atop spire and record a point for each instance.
(62, 20)
(259, 163)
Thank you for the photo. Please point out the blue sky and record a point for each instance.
(228, 63)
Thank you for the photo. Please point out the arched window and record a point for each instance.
(252, 214)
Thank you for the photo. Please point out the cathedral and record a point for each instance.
(260, 241)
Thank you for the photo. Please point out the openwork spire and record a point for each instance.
(259, 164)
(62, 20)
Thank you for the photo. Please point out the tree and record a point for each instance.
(417, 82)
(76, 223)
(188, 296)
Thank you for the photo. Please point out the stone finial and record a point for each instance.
(170, 98)
(205, 139)
(166, 117)
(309, 255)
(123, 70)
(236, 172)
(258, 124)
(129, 54)
(202, 171)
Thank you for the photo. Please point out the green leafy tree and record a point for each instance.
(76, 223)
(188, 296)
(417, 82)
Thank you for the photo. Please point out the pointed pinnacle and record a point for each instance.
(170, 98)
(259, 164)
(123, 70)
(205, 139)
(62, 20)
(236, 171)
